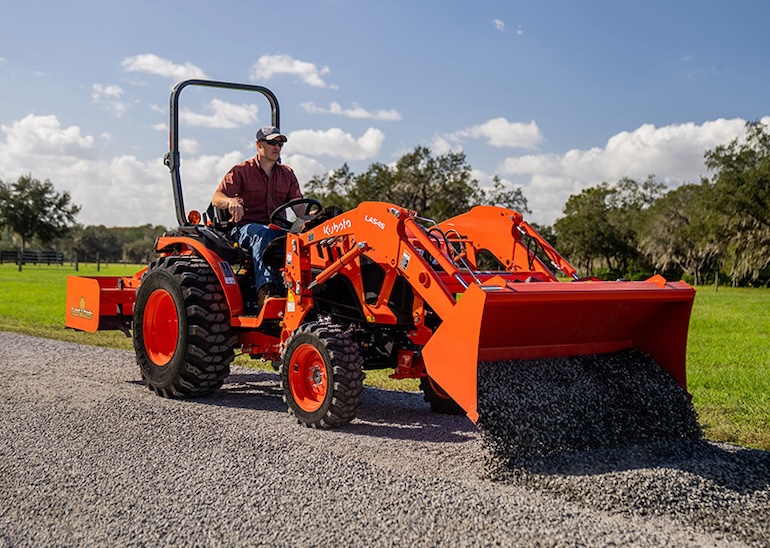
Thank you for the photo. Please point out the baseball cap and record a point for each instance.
(270, 133)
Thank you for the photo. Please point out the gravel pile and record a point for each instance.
(537, 408)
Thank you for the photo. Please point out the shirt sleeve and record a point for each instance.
(230, 185)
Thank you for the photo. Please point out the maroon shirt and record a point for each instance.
(261, 194)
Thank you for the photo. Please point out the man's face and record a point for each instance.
(270, 149)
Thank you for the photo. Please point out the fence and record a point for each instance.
(32, 257)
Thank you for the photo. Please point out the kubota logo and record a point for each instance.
(337, 227)
(375, 221)
(81, 311)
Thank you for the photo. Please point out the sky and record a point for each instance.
(550, 96)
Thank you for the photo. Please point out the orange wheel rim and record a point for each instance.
(160, 327)
(308, 379)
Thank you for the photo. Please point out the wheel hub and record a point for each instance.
(161, 327)
(316, 378)
(308, 378)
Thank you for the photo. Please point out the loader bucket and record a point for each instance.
(524, 321)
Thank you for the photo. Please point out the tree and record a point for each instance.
(501, 196)
(33, 209)
(742, 194)
(436, 187)
(97, 241)
(585, 233)
(742, 180)
(601, 226)
(332, 188)
(681, 232)
(138, 242)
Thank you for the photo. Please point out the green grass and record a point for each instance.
(728, 359)
(728, 355)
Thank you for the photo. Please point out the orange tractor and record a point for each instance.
(373, 287)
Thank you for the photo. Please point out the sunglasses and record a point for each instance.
(274, 142)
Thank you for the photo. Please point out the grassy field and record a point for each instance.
(728, 356)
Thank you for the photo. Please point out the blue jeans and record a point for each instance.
(255, 237)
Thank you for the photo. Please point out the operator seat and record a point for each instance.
(219, 220)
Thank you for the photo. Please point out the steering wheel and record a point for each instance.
(312, 208)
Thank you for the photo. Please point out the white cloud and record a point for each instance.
(200, 176)
(222, 114)
(109, 97)
(189, 146)
(36, 138)
(128, 191)
(123, 191)
(152, 64)
(337, 143)
(674, 154)
(100, 92)
(355, 112)
(268, 66)
(441, 145)
(304, 167)
(499, 132)
(499, 25)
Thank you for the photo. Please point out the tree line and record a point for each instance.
(716, 228)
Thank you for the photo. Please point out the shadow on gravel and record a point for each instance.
(400, 415)
(388, 414)
(734, 468)
(259, 390)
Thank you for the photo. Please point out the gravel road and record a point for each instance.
(88, 456)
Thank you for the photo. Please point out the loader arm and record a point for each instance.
(499, 231)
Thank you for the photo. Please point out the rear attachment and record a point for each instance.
(97, 303)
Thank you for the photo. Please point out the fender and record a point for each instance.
(221, 268)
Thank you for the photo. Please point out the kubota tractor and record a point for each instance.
(374, 287)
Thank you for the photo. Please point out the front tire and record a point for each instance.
(440, 401)
(182, 336)
(321, 375)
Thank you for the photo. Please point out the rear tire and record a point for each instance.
(182, 336)
(440, 401)
(321, 375)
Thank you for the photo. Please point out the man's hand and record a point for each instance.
(235, 207)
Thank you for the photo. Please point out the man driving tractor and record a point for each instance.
(250, 192)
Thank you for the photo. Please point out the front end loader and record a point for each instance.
(374, 287)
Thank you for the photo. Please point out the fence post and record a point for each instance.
(98, 263)
(77, 266)
(20, 259)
